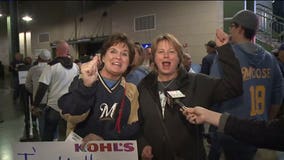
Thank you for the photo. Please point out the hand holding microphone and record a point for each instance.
(196, 115)
(193, 116)
(174, 97)
(200, 115)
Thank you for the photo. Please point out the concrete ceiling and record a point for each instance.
(38, 9)
(64, 8)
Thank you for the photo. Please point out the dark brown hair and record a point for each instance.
(119, 38)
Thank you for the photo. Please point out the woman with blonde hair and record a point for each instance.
(165, 133)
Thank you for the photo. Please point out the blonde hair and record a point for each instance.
(171, 39)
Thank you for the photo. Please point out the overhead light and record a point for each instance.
(1, 15)
(27, 18)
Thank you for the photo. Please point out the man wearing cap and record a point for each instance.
(262, 85)
(32, 84)
(207, 61)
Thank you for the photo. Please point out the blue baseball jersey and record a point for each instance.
(262, 82)
(96, 109)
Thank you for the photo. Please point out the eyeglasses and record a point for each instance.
(232, 25)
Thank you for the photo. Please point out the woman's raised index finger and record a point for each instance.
(94, 60)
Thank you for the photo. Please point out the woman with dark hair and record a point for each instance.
(137, 71)
(100, 103)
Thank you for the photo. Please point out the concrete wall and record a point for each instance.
(230, 9)
(66, 29)
(192, 22)
(4, 47)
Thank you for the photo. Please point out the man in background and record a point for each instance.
(25, 96)
(262, 85)
(55, 80)
(32, 85)
(13, 68)
(207, 61)
(187, 62)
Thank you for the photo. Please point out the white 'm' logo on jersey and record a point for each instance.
(106, 113)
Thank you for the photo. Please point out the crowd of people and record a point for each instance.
(123, 93)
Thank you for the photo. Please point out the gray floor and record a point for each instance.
(12, 114)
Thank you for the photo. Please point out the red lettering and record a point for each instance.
(92, 147)
(105, 146)
(116, 147)
(128, 147)
(79, 148)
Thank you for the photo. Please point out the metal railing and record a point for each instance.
(271, 27)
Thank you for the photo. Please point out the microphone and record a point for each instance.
(174, 96)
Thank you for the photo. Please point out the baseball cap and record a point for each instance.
(211, 44)
(45, 55)
(247, 19)
(281, 48)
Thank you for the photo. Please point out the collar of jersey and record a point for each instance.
(110, 90)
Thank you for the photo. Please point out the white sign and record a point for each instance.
(94, 150)
(73, 137)
(22, 77)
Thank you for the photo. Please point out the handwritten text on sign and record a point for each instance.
(95, 150)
